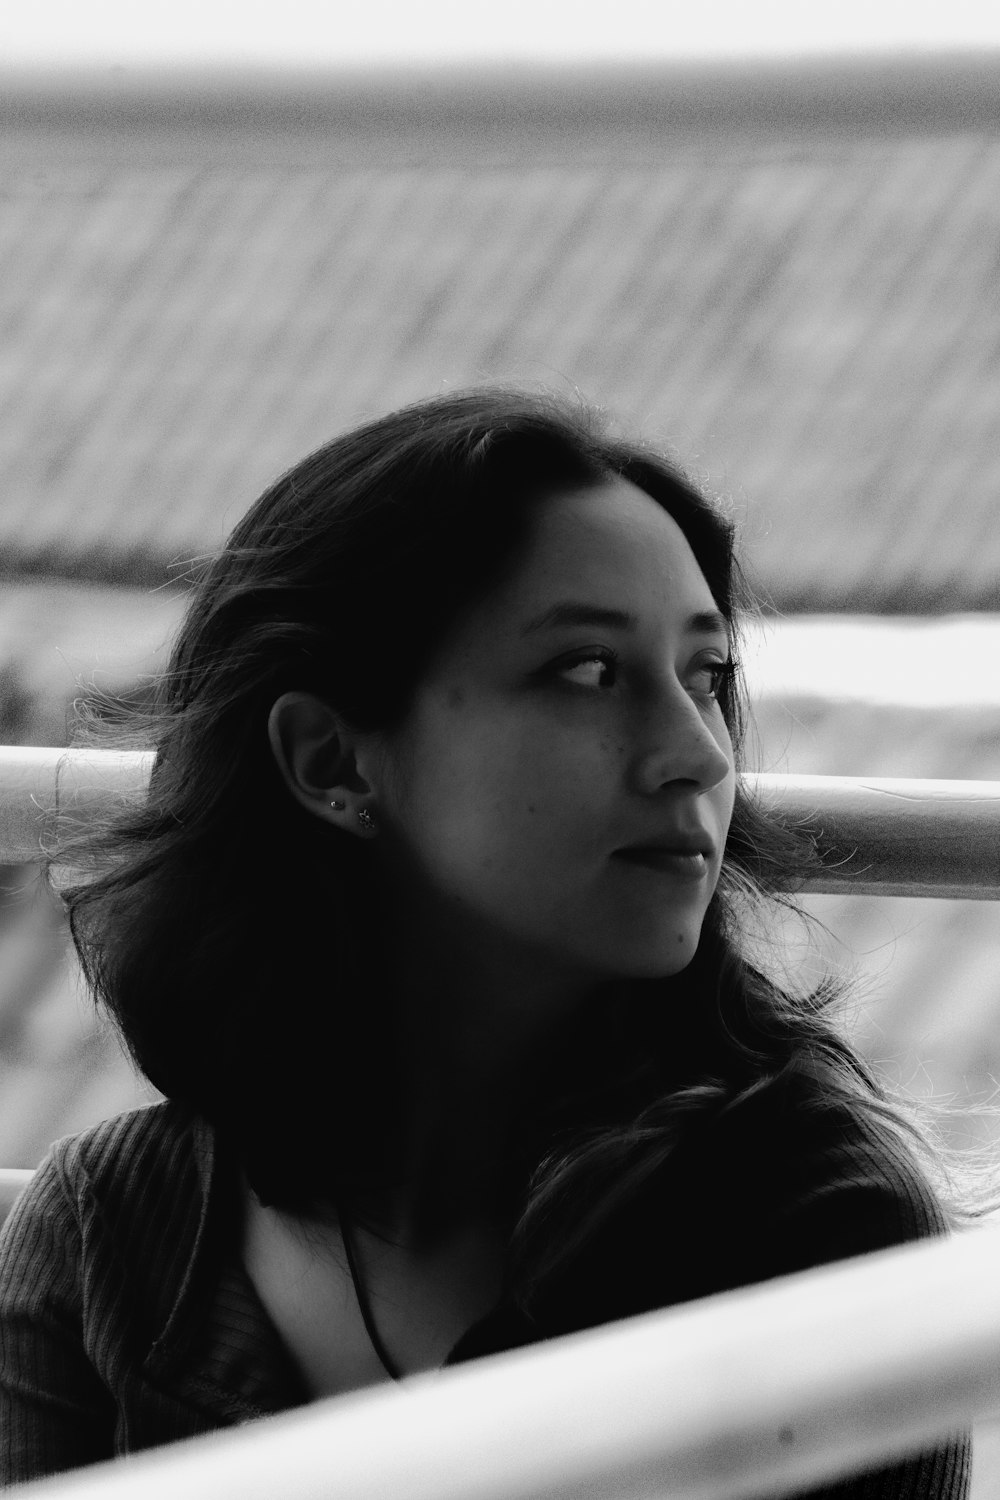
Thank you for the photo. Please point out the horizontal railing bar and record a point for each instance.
(875, 836)
(483, 111)
(894, 836)
(40, 786)
(761, 1392)
(12, 1179)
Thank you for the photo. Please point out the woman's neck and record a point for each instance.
(475, 1049)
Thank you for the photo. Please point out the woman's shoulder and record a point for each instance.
(834, 1173)
(113, 1219)
(137, 1162)
(151, 1137)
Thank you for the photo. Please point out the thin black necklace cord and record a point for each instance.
(359, 1292)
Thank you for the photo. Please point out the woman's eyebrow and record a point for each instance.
(568, 612)
(708, 622)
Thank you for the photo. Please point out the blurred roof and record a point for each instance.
(788, 275)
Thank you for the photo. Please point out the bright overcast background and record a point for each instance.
(304, 33)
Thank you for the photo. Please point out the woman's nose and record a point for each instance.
(683, 744)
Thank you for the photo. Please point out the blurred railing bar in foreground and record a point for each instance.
(766, 1391)
(875, 837)
(494, 113)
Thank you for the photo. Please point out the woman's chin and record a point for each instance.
(660, 960)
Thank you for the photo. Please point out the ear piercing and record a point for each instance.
(364, 816)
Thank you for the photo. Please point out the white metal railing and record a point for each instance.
(12, 1180)
(877, 836)
(40, 785)
(502, 113)
(766, 1391)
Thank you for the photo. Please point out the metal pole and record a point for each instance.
(761, 1392)
(876, 837)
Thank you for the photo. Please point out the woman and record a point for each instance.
(434, 934)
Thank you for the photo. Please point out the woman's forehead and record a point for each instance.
(608, 545)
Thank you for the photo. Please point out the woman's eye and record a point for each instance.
(711, 677)
(598, 670)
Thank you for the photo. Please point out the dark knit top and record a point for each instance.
(127, 1319)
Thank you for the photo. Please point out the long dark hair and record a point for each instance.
(235, 939)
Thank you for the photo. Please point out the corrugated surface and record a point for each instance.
(815, 327)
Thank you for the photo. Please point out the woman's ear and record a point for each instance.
(315, 751)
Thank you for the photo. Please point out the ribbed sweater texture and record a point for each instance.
(128, 1321)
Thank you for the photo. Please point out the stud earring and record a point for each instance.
(366, 820)
(338, 806)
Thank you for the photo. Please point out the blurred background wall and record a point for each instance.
(788, 276)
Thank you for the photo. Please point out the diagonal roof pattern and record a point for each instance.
(813, 326)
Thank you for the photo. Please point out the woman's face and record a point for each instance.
(563, 784)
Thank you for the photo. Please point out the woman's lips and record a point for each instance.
(687, 864)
